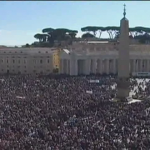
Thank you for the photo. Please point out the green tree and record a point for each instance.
(41, 37)
(87, 35)
(59, 35)
(38, 36)
(89, 29)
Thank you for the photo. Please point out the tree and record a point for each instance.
(38, 36)
(59, 35)
(112, 31)
(73, 33)
(27, 45)
(92, 29)
(41, 37)
(87, 35)
(143, 39)
(100, 29)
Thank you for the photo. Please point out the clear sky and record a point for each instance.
(19, 21)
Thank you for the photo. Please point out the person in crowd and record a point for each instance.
(43, 113)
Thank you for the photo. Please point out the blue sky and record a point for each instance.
(19, 21)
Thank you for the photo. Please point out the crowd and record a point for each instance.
(43, 113)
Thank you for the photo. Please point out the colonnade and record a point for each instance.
(100, 66)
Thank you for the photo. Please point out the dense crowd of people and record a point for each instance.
(70, 113)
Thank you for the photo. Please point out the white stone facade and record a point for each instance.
(105, 61)
(26, 60)
(102, 59)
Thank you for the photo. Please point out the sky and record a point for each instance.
(20, 21)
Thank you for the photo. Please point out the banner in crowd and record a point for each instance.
(20, 97)
(89, 92)
(94, 81)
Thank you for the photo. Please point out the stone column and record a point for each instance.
(61, 67)
(114, 66)
(68, 66)
(145, 65)
(111, 69)
(117, 66)
(98, 66)
(103, 62)
(101, 66)
(138, 65)
(65, 66)
(107, 66)
(87, 66)
(141, 65)
(146, 62)
(134, 65)
(148, 69)
(131, 66)
(73, 66)
(63, 63)
(93, 66)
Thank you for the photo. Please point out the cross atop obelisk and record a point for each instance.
(124, 13)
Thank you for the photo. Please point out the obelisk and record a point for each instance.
(123, 59)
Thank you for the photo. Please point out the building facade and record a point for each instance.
(81, 58)
(26, 60)
(104, 61)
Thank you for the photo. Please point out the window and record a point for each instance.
(24, 66)
(7, 60)
(39, 52)
(48, 61)
(25, 71)
(13, 61)
(18, 66)
(24, 61)
(19, 61)
(41, 61)
(46, 51)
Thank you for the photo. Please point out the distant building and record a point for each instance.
(26, 60)
(80, 58)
